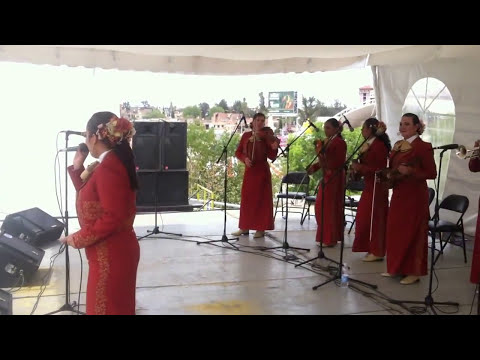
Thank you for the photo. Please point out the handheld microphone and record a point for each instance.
(313, 125)
(83, 148)
(348, 123)
(447, 147)
(70, 132)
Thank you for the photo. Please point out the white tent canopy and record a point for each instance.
(231, 59)
(396, 69)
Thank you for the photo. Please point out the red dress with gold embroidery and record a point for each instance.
(407, 224)
(256, 205)
(474, 165)
(334, 193)
(106, 210)
(370, 229)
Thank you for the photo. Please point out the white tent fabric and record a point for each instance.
(462, 78)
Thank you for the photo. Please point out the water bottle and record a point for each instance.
(344, 278)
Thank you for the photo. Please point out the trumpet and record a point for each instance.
(464, 153)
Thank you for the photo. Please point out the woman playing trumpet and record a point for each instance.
(474, 165)
(411, 164)
(256, 206)
(371, 219)
(330, 160)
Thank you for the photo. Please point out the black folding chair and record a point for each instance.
(350, 202)
(297, 179)
(455, 203)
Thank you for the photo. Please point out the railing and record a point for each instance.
(204, 195)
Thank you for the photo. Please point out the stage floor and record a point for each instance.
(177, 276)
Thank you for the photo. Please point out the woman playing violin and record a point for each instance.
(371, 219)
(407, 224)
(330, 158)
(256, 205)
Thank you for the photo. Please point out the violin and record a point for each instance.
(266, 134)
(352, 174)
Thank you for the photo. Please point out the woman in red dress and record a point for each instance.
(331, 159)
(106, 210)
(256, 206)
(474, 165)
(371, 219)
(411, 164)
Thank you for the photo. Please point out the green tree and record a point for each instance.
(172, 111)
(311, 109)
(145, 103)
(237, 107)
(215, 109)
(155, 114)
(126, 105)
(223, 104)
(204, 107)
(192, 112)
(261, 106)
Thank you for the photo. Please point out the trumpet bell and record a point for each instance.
(464, 153)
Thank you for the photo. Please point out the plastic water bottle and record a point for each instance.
(344, 278)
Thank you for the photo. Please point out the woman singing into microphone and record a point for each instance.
(330, 160)
(256, 205)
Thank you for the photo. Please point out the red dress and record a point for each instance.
(474, 165)
(106, 211)
(407, 224)
(335, 153)
(370, 234)
(256, 205)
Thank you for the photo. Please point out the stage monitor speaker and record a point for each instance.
(17, 258)
(34, 226)
(160, 146)
(172, 188)
(5, 303)
(174, 146)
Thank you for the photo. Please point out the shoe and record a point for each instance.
(385, 274)
(240, 232)
(410, 279)
(259, 234)
(371, 257)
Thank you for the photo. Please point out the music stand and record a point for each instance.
(67, 306)
(321, 254)
(285, 244)
(429, 301)
(225, 239)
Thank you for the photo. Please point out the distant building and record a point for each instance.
(367, 95)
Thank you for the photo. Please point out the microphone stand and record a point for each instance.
(67, 306)
(225, 239)
(285, 244)
(428, 301)
(321, 254)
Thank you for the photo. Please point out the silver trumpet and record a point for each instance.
(464, 153)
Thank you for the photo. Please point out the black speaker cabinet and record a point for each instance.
(5, 303)
(34, 226)
(160, 146)
(17, 258)
(170, 187)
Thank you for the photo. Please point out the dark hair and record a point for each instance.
(123, 150)
(372, 123)
(416, 121)
(258, 115)
(336, 124)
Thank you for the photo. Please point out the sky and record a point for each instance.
(38, 101)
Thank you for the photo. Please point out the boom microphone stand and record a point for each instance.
(285, 244)
(429, 302)
(67, 306)
(225, 239)
(321, 254)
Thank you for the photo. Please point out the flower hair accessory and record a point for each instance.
(116, 130)
(381, 128)
(421, 127)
